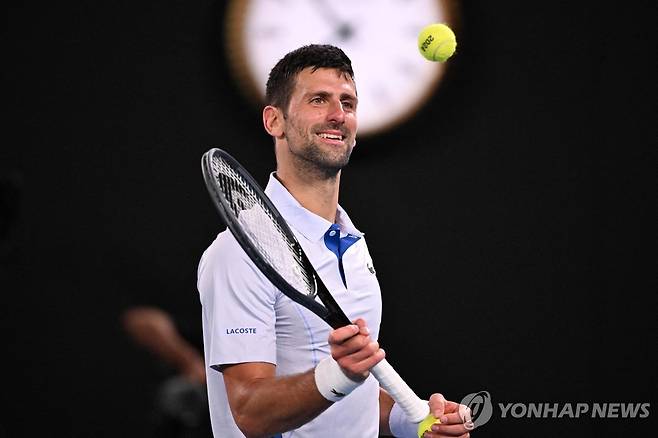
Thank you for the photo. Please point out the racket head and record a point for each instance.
(265, 236)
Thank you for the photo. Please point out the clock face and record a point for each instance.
(379, 36)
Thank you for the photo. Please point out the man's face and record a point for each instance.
(320, 126)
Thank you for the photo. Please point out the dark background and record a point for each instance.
(512, 221)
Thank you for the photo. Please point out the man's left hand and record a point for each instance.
(450, 414)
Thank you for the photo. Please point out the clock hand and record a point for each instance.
(343, 29)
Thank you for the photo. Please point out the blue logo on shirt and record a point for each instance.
(241, 331)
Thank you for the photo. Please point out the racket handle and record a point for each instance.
(416, 409)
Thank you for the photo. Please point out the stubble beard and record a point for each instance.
(315, 160)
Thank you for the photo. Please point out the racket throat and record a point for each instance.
(336, 320)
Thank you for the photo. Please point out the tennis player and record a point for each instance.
(273, 365)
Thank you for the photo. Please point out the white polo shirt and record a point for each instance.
(247, 319)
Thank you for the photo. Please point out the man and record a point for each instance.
(270, 359)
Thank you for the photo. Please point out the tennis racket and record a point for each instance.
(265, 236)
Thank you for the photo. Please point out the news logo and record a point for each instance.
(476, 409)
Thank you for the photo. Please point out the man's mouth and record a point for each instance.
(330, 136)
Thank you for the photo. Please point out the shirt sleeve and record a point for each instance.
(237, 306)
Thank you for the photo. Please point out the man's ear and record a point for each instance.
(273, 121)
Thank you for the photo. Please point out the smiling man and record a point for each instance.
(273, 379)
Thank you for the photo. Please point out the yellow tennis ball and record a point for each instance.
(437, 42)
(426, 425)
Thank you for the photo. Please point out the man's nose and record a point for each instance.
(336, 112)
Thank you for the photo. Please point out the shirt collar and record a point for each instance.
(309, 224)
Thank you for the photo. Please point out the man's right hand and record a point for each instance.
(354, 350)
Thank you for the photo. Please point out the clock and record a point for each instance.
(380, 36)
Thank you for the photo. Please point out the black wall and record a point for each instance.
(512, 222)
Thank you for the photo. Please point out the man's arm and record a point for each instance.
(263, 404)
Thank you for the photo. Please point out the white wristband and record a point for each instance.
(400, 425)
(331, 382)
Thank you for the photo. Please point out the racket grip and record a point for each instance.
(415, 409)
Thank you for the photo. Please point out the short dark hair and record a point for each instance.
(283, 75)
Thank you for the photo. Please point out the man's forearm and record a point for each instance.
(267, 405)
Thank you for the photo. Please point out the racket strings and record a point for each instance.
(262, 227)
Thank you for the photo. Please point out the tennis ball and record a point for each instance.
(426, 424)
(437, 42)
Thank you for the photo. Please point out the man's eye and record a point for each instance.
(348, 104)
(317, 100)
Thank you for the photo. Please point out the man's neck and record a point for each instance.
(318, 195)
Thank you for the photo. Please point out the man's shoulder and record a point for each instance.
(224, 252)
(224, 242)
(226, 268)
